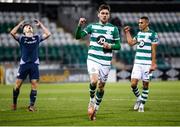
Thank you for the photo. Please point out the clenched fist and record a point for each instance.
(82, 21)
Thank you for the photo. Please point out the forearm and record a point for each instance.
(129, 38)
(79, 33)
(45, 30)
(15, 29)
(154, 55)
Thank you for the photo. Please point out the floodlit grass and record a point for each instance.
(66, 105)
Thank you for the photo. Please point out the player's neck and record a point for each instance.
(146, 29)
(102, 23)
(29, 34)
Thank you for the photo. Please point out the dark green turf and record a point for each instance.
(66, 104)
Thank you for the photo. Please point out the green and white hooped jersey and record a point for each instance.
(144, 51)
(100, 33)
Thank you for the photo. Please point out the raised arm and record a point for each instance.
(14, 33)
(129, 38)
(79, 33)
(46, 33)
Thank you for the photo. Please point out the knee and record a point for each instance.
(101, 86)
(94, 80)
(18, 83)
(134, 83)
(34, 84)
(145, 85)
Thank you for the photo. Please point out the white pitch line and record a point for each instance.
(121, 99)
(78, 99)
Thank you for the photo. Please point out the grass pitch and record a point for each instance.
(66, 105)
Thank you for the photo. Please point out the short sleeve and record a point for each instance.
(40, 38)
(155, 39)
(19, 38)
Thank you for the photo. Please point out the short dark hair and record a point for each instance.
(104, 6)
(145, 17)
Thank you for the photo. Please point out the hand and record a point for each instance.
(37, 22)
(152, 68)
(106, 45)
(126, 29)
(82, 21)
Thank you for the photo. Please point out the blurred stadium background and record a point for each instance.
(63, 59)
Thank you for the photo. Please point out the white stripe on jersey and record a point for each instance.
(143, 54)
(100, 53)
(144, 34)
(99, 27)
(144, 47)
(147, 40)
(100, 61)
(137, 61)
(95, 44)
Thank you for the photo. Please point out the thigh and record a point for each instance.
(146, 75)
(136, 72)
(103, 73)
(23, 72)
(93, 67)
(34, 72)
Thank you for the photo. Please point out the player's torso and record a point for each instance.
(99, 34)
(29, 48)
(29, 43)
(143, 51)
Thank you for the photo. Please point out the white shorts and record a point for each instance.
(141, 72)
(102, 71)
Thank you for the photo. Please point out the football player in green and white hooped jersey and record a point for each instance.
(104, 37)
(145, 60)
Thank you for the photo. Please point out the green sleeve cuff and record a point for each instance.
(116, 46)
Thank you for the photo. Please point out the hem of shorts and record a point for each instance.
(99, 63)
(142, 64)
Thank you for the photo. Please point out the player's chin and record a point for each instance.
(104, 20)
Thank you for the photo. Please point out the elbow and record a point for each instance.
(48, 34)
(130, 43)
(12, 33)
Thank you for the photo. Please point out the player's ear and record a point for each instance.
(98, 14)
(147, 22)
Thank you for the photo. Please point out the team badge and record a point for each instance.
(101, 39)
(141, 43)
